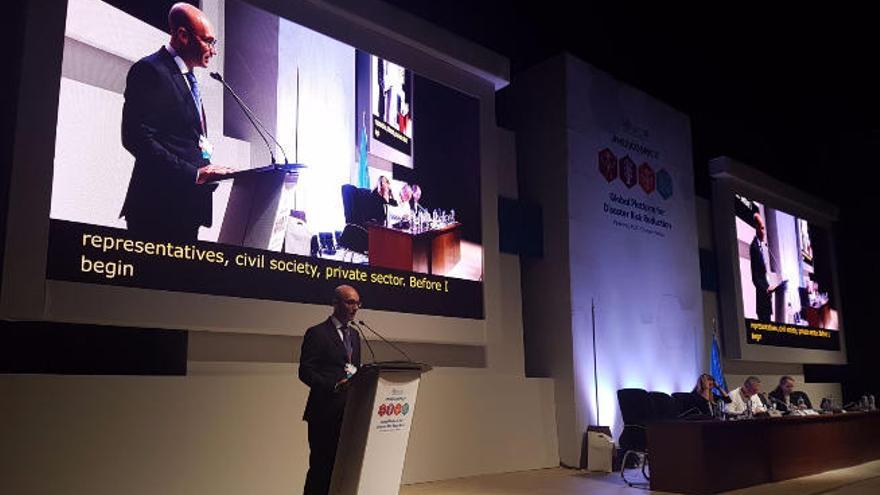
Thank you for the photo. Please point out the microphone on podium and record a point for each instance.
(398, 349)
(252, 117)
(357, 328)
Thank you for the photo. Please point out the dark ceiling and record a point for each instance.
(785, 91)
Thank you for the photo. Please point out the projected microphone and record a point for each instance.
(354, 325)
(398, 349)
(258, 125)
(692, 411)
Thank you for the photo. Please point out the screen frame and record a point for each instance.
(28, 295)
(729, 178)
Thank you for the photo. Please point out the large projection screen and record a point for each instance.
(71, 173)
(778, 281)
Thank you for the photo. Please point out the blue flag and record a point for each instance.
(715, 365)
(363, 170)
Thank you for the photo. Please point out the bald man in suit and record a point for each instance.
(759, 261)
(163, 126)
(330, 356)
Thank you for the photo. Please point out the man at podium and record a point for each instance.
(759, 260)
(331, 355)
(164, 128)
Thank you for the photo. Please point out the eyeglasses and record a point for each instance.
(352, 302)
(212, 42)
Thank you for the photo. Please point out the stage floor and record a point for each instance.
(857, 480)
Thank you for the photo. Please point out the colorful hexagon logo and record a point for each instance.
(383, 410)
(608, 164)
(628, 171)
(646, 178)
(405, 409)
(664, 184)
(397, 408)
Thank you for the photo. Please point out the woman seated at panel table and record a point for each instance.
(380, 200)
(704, 396)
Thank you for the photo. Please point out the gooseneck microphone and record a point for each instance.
(777, 401)
(694, 411)
(398, 349)
(262, 130)
(366, 340)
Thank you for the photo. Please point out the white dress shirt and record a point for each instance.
(339, 326)
(765, 253)
(179, 61)
(740, 404)
(399, 213)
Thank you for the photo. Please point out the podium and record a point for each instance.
(258, 207)
(375, 429)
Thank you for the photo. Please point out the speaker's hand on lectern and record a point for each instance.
(210, 173)
(341, 385)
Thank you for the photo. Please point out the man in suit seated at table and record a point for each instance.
(401, 216)
(787, 399)
(745, 400)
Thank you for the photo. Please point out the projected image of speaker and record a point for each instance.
(783, 281)
(781, 286)
(243, 155)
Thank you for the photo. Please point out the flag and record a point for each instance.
(715, 364)
(363, 170)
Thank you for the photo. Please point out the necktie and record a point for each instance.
(765, 253)
(196, 95)
(346, 340)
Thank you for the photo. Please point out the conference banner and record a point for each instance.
(633, 243)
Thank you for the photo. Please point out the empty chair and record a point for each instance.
(355, 205)
(662, 406)
(635, 408)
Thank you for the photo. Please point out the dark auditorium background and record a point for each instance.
(792, 93)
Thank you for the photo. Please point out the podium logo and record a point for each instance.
(394, 409)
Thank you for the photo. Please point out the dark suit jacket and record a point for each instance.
(321, 366)
(793, 399)
(759, 278)
(700, 403)
(374, 208)
(161, 128)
